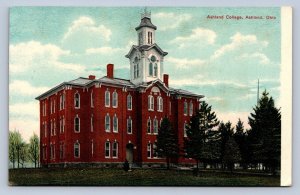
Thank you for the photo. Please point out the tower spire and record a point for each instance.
(146, 14)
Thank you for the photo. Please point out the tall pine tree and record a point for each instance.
(200, 134)
(241, 138)
(167, 142)
(265, 134)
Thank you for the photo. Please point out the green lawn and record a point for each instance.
(137, 177)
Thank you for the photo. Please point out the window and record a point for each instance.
(150, 102)
(115, 99)
(170, 108)
(60, 102)
(76, 124)
(149, 37)
(54, 106)
(115, 150)
(64, 100)
(136, 68)
(92, 142)
(149, 126)
(51, 128)
(61, 151)
(77, 100)
(52, 151)
(140, 38)
(45, 152)
(159, 104)
(92, 99)
(129, 102)
(149, 150)
(63, 124)
(191, 108)
(155, 70)
(107, 149)
(115, 124)
(155, 153)
(77, 149)
(45, 129)
(129, 125)
(184, 129)
(92, 124)
(54, 127)
(107, 99)
(150, 69)
(50, 107)
(107, 123)
(185, 108)
(155, 126)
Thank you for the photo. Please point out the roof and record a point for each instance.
(85, 82)
(146, 22)
(184, 92)
(146, 48)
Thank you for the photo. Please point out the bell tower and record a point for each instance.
(146, 58)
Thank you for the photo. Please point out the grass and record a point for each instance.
(137, 177)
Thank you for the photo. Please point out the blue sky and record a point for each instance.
(221, 59)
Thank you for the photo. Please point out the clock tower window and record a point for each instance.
(151, 69)
(155, 70)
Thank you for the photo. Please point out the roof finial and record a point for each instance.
(146, 14)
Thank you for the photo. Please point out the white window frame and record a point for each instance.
(63, 125)
(76, 100)
(149, 150)
(185, 108)
(107, 143)
(53, 106)
(115, 99)
(155, 126)
(45, 129)
(107, 98)
(92, 99)
(191, 108)
(129, 102)
(60, 102)
(51, 128)
(107, 117)
(150, 103)
(115, 147)
(78, 145)
(115, 124)
(160, 104)
(92, 123)
(149, 126)
(129, 122)
(155, 70)
(75, 124)
(54, 127)
(184, 129)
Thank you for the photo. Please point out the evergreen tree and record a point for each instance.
(265, 134)
(241, 139)
(226, 131)
(34, 146)
(200, 135)
(231, 153)
(167, 142)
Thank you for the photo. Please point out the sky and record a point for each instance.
(221, 59)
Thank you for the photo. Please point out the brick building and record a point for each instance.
(107, 120)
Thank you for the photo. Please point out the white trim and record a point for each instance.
(129, 121)
(107, 122)
(75, 124)
(129, 100)
(115, 99)
(185, 108)
(191, 108)
(149, 150)
(149, 126)
(107, 95)
(76, 100)
(107, 149)
(117, 149)
(92, 123)
(115, 130)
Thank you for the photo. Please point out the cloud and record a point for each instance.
(103, 50)
(185, 63)
(28, 109)
(215, 99)
(198, 37)
(239, 42)
(33, 55)
(233, 117)
(24, 88)
(26, 127)
(85, 33)
(262, 58)
(167, 21)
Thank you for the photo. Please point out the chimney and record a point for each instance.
(166, 79)
(110, 71)
(92, 77)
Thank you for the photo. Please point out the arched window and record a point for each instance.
(185, 108)
(76, 149)
(129, 125)
(149, 125)
(155, 126)
(77, 100)
(107, 149)
(150, 69)
(115, 124)
(191, 108)
(107, 123)
(159, 104)
(115, 149)
(92, 123)
(60, 102)
(115, 99)
(77, 124)
(107, 98)
(129, 102)
(150, 102)
(155, 70)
